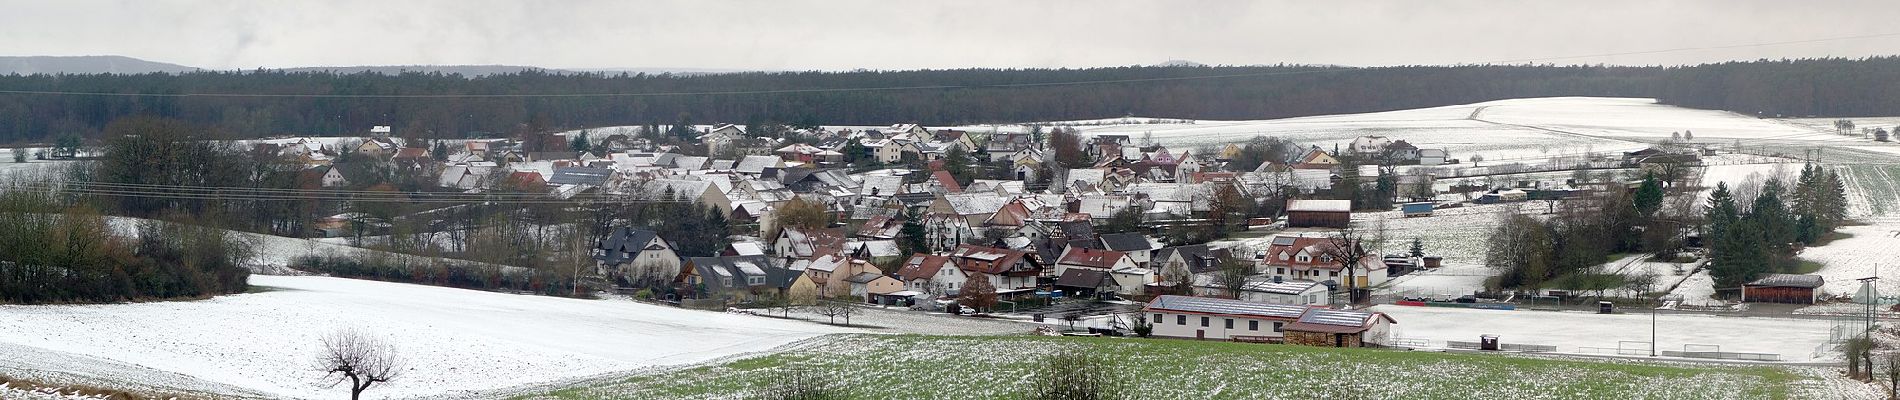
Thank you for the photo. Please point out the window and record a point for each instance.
(1180, 320)
(1334, 273)
(1157, 318)
(1277, 327)
(1204, 321)
(1304, 258)
(1281, 270)
(1253, 325)
(1230, 323)
(1326, 258)
(755, 280)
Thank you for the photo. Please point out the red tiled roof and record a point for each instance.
(948, 181)
(922, 266)
(988, 260)
(1103, 259)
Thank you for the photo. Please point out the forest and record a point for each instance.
(246, 104)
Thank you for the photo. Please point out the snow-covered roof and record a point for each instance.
(1211, 305)
(975, 203)
(1319, 205)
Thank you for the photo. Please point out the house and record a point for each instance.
(1087, 283)
(1197, 258)
(1209, 318)
(1370, 145)
(952, 136)
(1306, 258)
(476, 148)
(377, 147)
(733, 279)
(869, 285)
(721, 138)
(941, 182)
(525, 181)
(1503, 196)
(1318, 213)
(974, 208)
(1783, 288)
(1004, 145)
(793, 243)
(1340, 328)
(1431, 156)
(1314, 158)
(595, 177)
(926, 273)
(1136, 245)
(636, 257)
(1401, 151)
(411, 157)
(333, 177)
(1129, 278)
(1009, 271)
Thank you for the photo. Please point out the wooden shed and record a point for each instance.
(1318, 213)
(1783, 288)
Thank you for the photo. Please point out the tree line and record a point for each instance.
(958, 96)
(1750, 237)
(50, 254)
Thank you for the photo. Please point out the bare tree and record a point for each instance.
(799, 384)
(1893, 374)
(833, 309)
(358, 358)
(978, 293)
(1345, 249)
(1232, 276)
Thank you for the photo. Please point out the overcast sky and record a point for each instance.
(886, 34)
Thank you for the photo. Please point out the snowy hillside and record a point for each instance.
(451, 339)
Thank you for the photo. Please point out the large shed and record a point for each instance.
(1318, 213)
(1783, 288)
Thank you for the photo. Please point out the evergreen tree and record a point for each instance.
(1771, 218)
(1649, 196)
(1739, 255)
(913, 234)
(1721, 211)
(580, 143)
(1418, 248)
(957, 162)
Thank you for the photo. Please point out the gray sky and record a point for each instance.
(888, 34)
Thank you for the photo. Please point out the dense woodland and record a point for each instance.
(935, 97)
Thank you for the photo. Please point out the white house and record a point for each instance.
(1370, 144)
(1219, 319)
(1299, 293)
(638, 256)
(334, 178)
(1431, 156)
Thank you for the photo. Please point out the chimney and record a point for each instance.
(1276, 279)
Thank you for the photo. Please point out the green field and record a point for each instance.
(962, 367)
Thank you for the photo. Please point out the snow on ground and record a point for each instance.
(1858, 257)
(1796, 340)
(897, 320)
(454, 342)
(276, 252)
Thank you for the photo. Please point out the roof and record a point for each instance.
(863, 277)
(580, 176)
(975, 203)
(624, 244)
(1337, 321)
(1210, 305)
(1085, 278)
(922, 266)
(1085, 257)
(1126, 242)
(1076, 229)
(1789, 280)
(1282, 287)
(988, 260)
(949, 182)
(755, 164)
(1319, 205)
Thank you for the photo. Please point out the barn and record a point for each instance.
(1783, 288)
(1318, 213)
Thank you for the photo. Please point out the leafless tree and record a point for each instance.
(1344, 248)
(1058, 378)
(358, 358)
(799, 384)
(1232, 276)
(835, 309)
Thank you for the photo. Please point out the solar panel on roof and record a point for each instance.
(1283, 240)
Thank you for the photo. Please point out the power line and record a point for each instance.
(1317, 69)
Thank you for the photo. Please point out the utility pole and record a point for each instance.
(1652, 325)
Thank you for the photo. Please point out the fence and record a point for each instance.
(1723, 355)
(1519, 348)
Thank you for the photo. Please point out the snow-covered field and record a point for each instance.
(1796, 340)
(455, 343)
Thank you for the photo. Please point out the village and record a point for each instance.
(1244, 242)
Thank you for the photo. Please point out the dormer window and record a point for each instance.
(1304, 258)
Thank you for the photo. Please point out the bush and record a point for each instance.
(72, 256)
(438, 272)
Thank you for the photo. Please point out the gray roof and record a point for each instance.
(1126, 242)
(623, 245)
(580, 176)
(1084, 278)
(863, 277)
(1789, 280)
(755, 164)
(1212, 305)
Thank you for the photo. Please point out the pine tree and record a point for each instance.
(1418, 248)
(1721, 211)
(1649, 196)
(580, 143)
(1739, 255)
(1771, 218)
(913, 234)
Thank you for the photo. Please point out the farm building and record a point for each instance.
(1339, 328)
(1783, 288)
(1318, 213)
(1503, 196)
(1418, 209)
(1189, 317)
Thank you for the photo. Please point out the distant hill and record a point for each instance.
(1179, 63)
(29, 65)
(465, 70)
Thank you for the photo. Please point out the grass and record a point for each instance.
(1805, 267)
(1003, 367)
